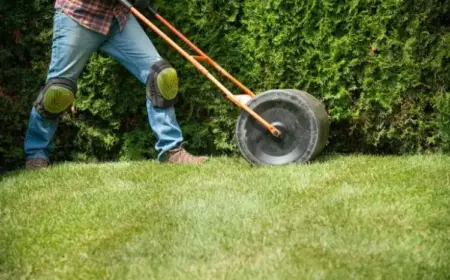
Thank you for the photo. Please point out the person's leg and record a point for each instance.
(133, 49)
(71, 48)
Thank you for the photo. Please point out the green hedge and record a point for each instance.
(381, 68)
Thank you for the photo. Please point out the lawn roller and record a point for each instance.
(276, 127)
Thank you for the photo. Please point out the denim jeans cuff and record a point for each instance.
(162, 156)
(40, 155)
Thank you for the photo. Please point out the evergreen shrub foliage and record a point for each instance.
(380, 66)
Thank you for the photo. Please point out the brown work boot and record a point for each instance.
(37, 163)
(181, 156)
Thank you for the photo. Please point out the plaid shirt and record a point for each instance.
(96, 15)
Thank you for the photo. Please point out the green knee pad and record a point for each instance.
(56, 97)
(162, 85)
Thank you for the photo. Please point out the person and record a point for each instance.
(80, 28)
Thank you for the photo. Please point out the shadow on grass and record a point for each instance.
(326, 157)
(5, 174)
(217, 160)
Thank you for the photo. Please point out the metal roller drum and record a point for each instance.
(301, 118)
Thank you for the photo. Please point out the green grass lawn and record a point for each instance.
(343, 217)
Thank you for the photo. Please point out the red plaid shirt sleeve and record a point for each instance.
(95, 15)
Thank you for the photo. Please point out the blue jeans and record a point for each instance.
(72, 47)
